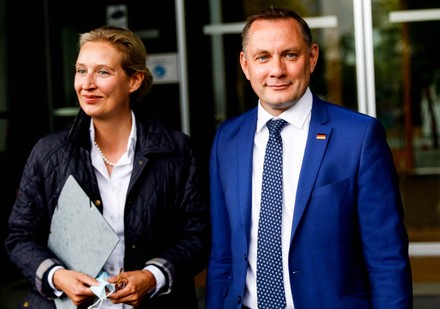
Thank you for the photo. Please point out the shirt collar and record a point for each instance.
(295, 115)
(131, 140)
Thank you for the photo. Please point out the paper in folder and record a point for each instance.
(79, 235)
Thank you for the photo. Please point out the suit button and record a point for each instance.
(239, 300)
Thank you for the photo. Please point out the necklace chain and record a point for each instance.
(107, 161)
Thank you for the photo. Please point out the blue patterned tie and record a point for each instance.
(270, 287)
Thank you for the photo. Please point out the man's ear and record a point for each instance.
(313, 55)
(244, 64)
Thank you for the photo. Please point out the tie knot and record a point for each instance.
(275, 126)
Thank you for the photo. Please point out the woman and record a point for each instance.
(141, 176)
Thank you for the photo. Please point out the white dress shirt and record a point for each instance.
(113, 189)
(294, 136)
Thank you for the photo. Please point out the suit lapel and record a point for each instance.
(318, 138)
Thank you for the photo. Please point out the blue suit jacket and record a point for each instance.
(349, 246)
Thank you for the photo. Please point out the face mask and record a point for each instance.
(103, 290)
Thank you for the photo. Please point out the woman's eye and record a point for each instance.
(102, 72)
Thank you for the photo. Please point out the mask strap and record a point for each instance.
(99, 301)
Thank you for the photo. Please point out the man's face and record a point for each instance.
(278, 63)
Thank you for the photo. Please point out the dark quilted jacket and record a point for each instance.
(166, 212)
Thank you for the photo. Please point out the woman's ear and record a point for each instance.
(136, 81)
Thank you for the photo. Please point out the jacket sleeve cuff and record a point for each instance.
(41, 282)
(166, 268)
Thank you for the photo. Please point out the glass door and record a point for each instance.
(407, 82)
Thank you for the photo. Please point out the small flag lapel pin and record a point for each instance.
(321, 136)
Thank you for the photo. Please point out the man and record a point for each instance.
(344, 243)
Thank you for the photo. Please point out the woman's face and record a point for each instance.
(102, 86)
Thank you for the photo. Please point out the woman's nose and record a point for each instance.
(89, 81)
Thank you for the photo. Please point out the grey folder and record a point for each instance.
(79, 235)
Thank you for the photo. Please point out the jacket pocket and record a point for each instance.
(35, 301)
(341, 185)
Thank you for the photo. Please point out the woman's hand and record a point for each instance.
(136, 285)
(75, 285)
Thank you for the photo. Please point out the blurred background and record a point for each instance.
(377, 57)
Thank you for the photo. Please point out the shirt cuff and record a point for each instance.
(160, 278)
(50, 280)
(167, 270)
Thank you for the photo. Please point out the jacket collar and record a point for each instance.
(152, 136)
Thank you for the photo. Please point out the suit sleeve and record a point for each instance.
(381, 220)
(220, 259)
